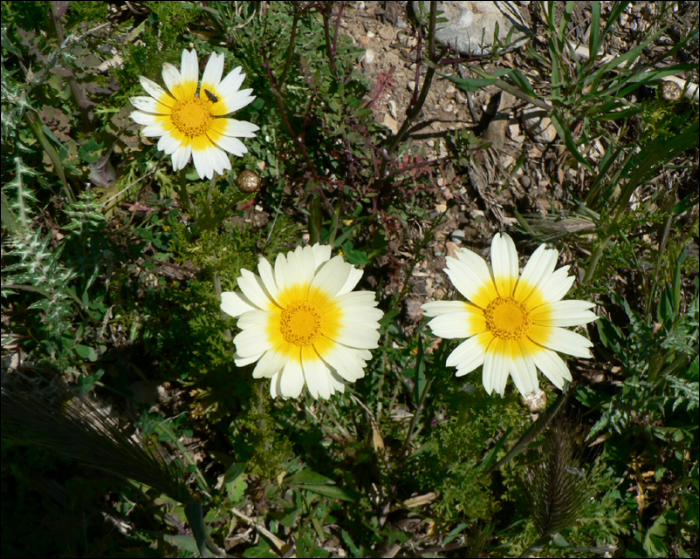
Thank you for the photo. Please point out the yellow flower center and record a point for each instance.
(507, 318)
(192, 116)
(301, 323)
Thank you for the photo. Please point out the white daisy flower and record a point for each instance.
(302, 322)
(513, 325)
(185, 118)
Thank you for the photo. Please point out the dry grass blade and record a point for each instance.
(557, 489)
(83, 429)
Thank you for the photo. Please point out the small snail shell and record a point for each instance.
(670, 91)
(248, 181)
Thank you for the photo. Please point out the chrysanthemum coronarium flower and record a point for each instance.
(186, 117)
(513, 325)
(303, 323)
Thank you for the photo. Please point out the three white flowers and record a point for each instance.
(514, 324)
(302, 323)
(185, 116)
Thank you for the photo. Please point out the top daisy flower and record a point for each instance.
(513, 325)
(185, 118)
(302, 322)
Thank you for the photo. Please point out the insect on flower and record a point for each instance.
(190, 126)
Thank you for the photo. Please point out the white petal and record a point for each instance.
(322, 253)
(364, 315)
(346, 361)
(232, 82)
(252, 341)
(307, 263)
(538, 268)
(220, 160)
(274, 384)
(235, 102)
(204, 164)
(234, 304)
(239, 128)
(267, 276)
(291, 380)
(270, 364)
(281, 267)
(473, 282)
(553, 367)
(494, 369)
(331, 277)
(181, 157)
(436, 308)
(242, 361)
(144, 118)
(336, 382)
(564, 313)
(293, 273)
(168, 144)
(456, 325)
(504, 261)
(252, 287)
(145, 104)
(558, 285)
(172, 78)
(523, 371)
(232, 145)
(354, 277)
(189, 66)
(356, 299)
(254, 318)
(476, 263)
(468, 355)
(157, 92)
(317, 375)
(153, 130)
(359, 335)
(566, 341)
(213, 71)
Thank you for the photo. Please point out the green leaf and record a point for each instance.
(260, 550)
(185, 543)
(666, 312)
(565, 134)
(91, 151)
(310, 477)
(328, 491)
(473, 84)
(194, 514)
(653, 539)
(86, 352)
(234, 472)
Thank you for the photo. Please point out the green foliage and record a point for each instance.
(450, 460)
(113, 267)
